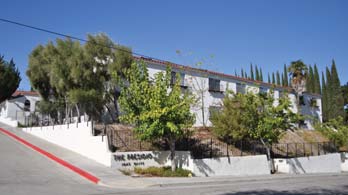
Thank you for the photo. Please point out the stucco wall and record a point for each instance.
(236, 166)
(77, 139)
(330, 163)
(8, 121)
(344, 162)
(129, 160)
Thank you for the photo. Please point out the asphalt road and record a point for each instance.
(24, 171)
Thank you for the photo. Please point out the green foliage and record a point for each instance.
(278, 78)
(297, 71)
(316, 80)
(9, 79)
(286, 79)
(252, 72)
(163, 172)
(253, 116)
(155, 108)
(336, 131)
(84, 76)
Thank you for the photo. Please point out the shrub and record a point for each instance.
(162, 172)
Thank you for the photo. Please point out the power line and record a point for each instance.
(72, 37)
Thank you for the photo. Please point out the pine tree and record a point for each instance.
(273, 78)
(324, 98)
(278, 78)
(251, 72)
(337, 102)
(269, 79)
(316, 80)
(286, 79)
(257, 75)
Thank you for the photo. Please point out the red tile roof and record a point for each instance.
(31, 93)
(178, 66)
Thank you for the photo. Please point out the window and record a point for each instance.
(26, 105)
(213, 110)
(302, 100)
(174, 77)
(314, 103)
(263, 91)
(240, 88)
(214, 85)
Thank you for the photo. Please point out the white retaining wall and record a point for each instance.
(8, 121)
(129, 160)
(236, 166)
(330, 163)
(75, 138)
(344, 162)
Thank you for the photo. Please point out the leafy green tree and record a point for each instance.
(81, 76)
(254, 116)
(157, 109)
(9, 79)
(336, 131)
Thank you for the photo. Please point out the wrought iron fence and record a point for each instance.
(214, 148)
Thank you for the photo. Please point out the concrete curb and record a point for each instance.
(58, 160)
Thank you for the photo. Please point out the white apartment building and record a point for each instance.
(211, 86)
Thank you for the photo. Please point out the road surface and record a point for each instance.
(24, 171)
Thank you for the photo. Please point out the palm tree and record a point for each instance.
(298, 74)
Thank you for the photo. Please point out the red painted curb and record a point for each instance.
(77, 170)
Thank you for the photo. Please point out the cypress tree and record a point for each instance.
(316, 79)
(251, 72)
(328, 94)
(242, 72)
(278, 78)
(261, 75)
(309, 82)
(282, 81)
(286, 79)
(336, 92)
(269, 78)
(273, 78)
(324, 98)
(257, 75)
(235, 72)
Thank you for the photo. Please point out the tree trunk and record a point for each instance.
(172, 153)
(78, 113)
(270, 160)
(116, 96)
(203, 111)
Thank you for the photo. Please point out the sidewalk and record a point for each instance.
(108, 176)
(113, 178)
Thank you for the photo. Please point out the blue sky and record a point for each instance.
(237, 33)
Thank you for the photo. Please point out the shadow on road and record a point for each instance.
(307, 191)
